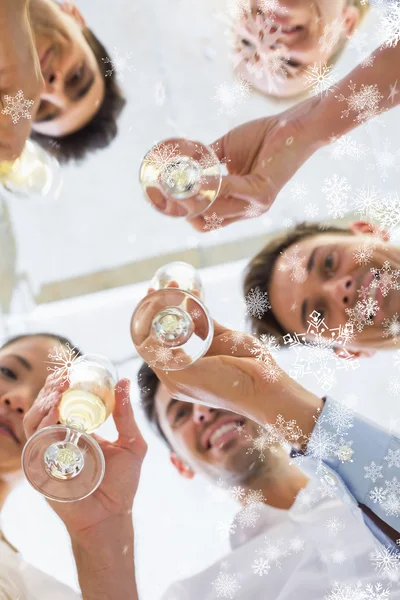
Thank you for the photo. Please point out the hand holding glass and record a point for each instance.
(181, 178)
(63, 462)
(171, 328)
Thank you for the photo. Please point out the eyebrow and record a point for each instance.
(23, 361)
(309, 267)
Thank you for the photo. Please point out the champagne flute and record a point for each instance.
(34, 173)
(181, 178)
(63, 462)
(171, 328)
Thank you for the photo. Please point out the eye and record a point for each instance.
(246, 42)
(181, 413)
(292, 63)
(329, 264)
(8, 373)
(77, 76)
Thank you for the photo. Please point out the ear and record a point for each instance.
(353, 352)
(365, 228)
(182, 468)
(70, 9)
(351, 18)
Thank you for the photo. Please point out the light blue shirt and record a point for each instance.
(365, 456)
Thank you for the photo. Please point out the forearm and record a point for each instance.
(341, 110)
(293, 402)
(105, 562)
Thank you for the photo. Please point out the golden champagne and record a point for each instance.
(86, 409)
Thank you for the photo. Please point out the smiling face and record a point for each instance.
(74, 86)
(23, 372)
(329, 279)
(277, 47)
(207, 440)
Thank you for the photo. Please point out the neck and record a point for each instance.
(280, 486)
(7, 483)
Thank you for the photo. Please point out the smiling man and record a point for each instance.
(346, 275)
(274, 48)
(282, 529)
(77, 105)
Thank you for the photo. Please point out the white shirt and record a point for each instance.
(20, 581)
(319, 549)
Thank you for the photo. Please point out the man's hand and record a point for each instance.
(19, 70)
(114, 497)
(261, 157)
(242, 377)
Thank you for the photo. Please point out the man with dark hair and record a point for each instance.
(75, 105)
(280, 503)
(346, 275)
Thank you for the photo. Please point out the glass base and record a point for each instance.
(57, 471)
(171, 329)
(181, 178)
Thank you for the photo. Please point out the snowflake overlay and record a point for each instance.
(257, 303)
(17, 107)
(118, 64)
(62, 361)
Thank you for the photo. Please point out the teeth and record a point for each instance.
(221, 431)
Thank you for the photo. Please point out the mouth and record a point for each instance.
(7, 430)
(222, 433)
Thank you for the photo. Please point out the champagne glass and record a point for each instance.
(171, 328)
(63, 462)
(34, 173)
(180, 178)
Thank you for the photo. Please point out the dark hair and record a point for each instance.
(102, 129)
(60, 338)
(261, 268)
(148, 383)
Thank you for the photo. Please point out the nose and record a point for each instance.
(341, 290)
(203, 414)
(53, 83)
(15, 402)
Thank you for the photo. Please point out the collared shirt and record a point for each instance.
(318, 549)
(20, 581)
(364, 455)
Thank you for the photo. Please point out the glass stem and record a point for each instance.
(73, 435)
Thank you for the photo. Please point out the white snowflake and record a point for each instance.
(311, 210)
(17, 107)
(393, 458)
(373, 472)
(391, 326)
(348, 147)
(338, 557)
(229, 96)
(213, 223)
(293, 262)
(320, 78)
(340, 416)
(394, 386)
(63, 359)
(265, 347)
(226, 528)
(389, 25)
(260, 566)
(248, 517)
(298, 192)
(364, 102)
(334, 525)
(118, 64)
(355, 591)
(386, 561)
(237, 338)
(322, 444)
(254, 497)
(164, 356)
(296, 544)
(391, 505)
(273, 550)
(363, 254)
(252, 210)
(331, 35)
(385, 161)
(257, 303)
(162, 155)
(336, 188)
(378, 494)
(226, 585)
(238, 492)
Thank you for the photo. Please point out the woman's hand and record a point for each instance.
(123, 459)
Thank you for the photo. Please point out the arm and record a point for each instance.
(105, 561)
(100, 526)
(19, 70)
